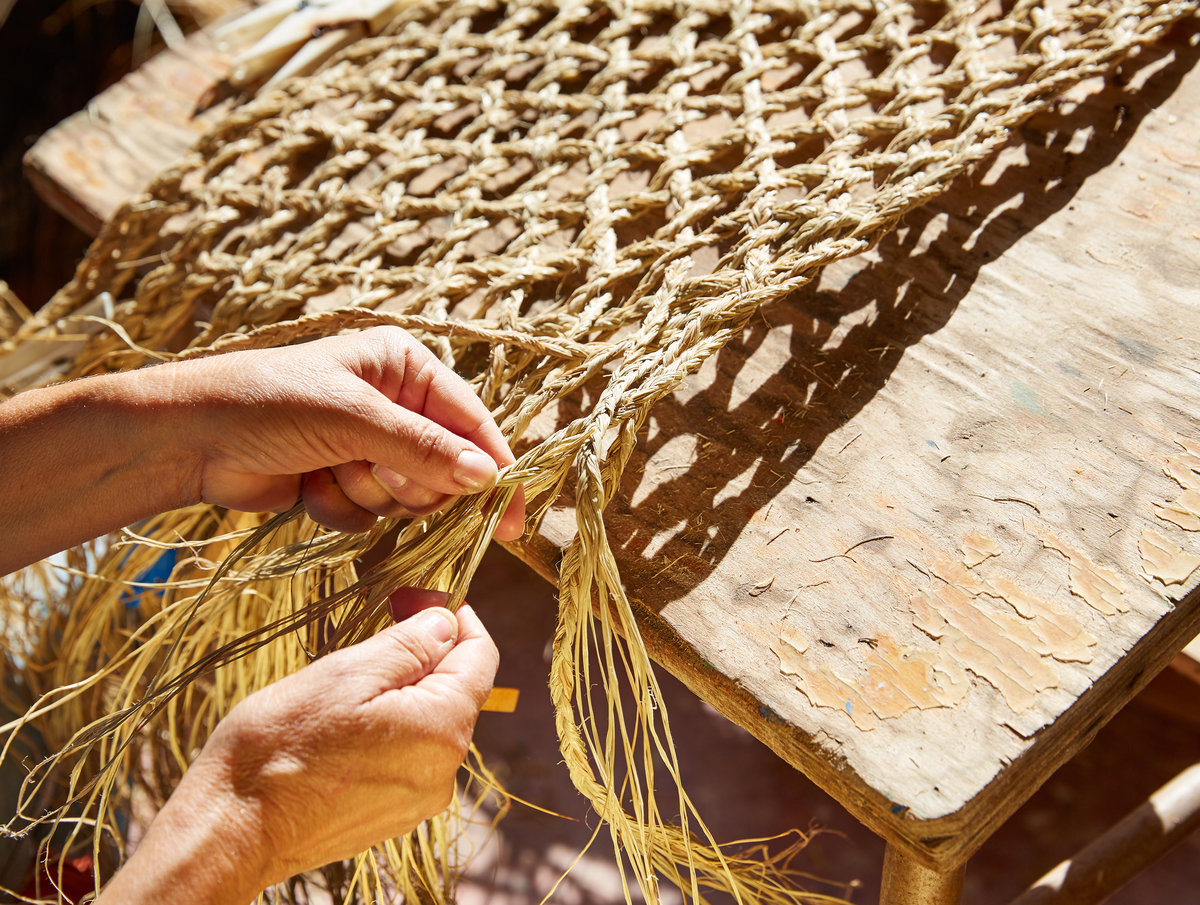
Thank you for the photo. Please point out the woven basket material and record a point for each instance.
(551, 194)
(563, 170)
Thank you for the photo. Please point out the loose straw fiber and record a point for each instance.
(548, 195)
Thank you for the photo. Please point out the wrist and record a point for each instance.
(84, 458)
(207, 845)
(137, 437)
(159, 405)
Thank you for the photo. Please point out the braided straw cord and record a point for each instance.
(557, 198)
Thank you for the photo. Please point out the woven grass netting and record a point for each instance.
(549, 195)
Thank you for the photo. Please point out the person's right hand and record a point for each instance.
(358, 747)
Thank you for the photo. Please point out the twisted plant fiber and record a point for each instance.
(551, 196)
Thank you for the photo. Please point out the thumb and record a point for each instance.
(404, 654)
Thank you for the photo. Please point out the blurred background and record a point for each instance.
(55, 56)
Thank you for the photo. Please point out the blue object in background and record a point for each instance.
(160, 571)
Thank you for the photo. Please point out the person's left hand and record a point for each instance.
(358, 747)
(364, 425)
(359, 426)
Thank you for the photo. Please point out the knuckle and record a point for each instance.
(412, 655)
(425, 371)
(388, 340)
(425, 364)
(390, 333)
(429, 445)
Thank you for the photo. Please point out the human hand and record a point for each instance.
(360, 746)
(364, 425)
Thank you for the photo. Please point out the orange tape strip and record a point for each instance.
(502, 700)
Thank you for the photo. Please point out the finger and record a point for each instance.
(420, 644)
(362, 486)
(512, 523)
(327, 505)
(444, 398)
(426, 387)
(382, 491)
(403, 654)
(434, 455)
(419, 500)
(419, 457)
(433, 390)
(408, 601)
(470, 667)
(416, 498)
(366, 426)
(470, 626)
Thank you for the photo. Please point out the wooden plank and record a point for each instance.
(899, 531)
(92, 161)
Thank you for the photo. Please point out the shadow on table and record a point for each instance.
(831, 347)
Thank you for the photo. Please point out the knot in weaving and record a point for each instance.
(537, 186)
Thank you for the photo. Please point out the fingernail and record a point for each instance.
(439, 623)
(388, 478)
(475, 470)
(406, 602)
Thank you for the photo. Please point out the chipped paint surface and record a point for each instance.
(1191, 447)
(1184, 470)
(889, 680)
(1100, 586)
(989, 643)
(1163, 560)
(1183, 511)
(987, 626)
(1059, 635)
(977, 548)
(1048, 631)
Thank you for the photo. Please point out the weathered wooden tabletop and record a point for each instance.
(930, 523)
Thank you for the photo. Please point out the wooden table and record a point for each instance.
(912, 531)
